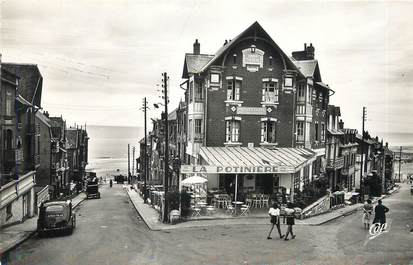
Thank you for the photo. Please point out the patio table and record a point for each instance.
(237, 204)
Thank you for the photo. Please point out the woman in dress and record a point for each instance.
(289, 211)
(367, 212)
(274, 213)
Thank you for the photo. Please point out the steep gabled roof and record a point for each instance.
(30, 83)
(194, 63)
(254, 30)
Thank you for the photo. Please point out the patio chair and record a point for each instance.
(248, 202)
(265, 201)
(245, 210)
(210, 210)
(196, 212)
(230, 209)
(256, 201)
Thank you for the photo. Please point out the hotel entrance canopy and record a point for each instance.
(256, 160)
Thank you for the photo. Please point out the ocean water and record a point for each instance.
(108, 148)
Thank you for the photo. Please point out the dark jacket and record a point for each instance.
(380, 211)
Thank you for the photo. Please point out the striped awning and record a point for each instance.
(257, 159)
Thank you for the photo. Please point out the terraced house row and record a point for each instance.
(40, 158)
(250, 106)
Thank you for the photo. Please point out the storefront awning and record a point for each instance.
(257, 160)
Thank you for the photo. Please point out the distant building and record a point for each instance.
(53, 170)
(77, 153)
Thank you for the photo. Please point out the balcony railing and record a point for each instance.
(270, 97)
(198, 137)
(300, 138)
(301, 99)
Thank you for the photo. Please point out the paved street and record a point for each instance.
(110, 232)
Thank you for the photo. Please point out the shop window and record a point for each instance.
(232, 131)
(233, 89)
(268, 133)
(270, 92)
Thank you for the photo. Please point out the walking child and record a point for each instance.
(274, 213)
(290, 221)
(367, 212)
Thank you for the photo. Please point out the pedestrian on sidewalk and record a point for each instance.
(367, 212)
(380, 213)
(289, 211)
(274, 213)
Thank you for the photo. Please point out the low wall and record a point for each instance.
(17, 199)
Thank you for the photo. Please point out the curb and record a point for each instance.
(29, 234)
(136, 209)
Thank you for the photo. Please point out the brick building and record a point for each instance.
(251, 94)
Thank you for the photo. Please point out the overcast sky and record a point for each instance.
(100, 58)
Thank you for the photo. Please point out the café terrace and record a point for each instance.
(253, 169)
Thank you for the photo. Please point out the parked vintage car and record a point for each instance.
(92, 189)
(56, 215)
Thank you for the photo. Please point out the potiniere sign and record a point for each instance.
(189, 169)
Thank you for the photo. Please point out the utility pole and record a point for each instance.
(362, 150)
(400, 162)
(128, 163)
(133, 160)
(166, 154)
(362, 142)
(145, 197)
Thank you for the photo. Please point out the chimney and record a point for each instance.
(310, 52)
(306, 54)
(341, 124)
(197, 47)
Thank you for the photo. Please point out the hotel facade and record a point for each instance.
(251, 106)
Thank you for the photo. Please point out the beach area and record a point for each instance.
(108, 148)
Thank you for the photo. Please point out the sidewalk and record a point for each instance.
(13, 235)
(151, 216)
